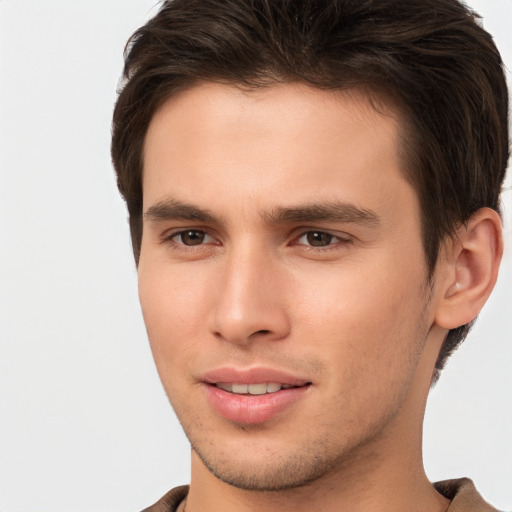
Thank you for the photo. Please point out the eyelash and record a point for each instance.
(170, 239)
(338, 240)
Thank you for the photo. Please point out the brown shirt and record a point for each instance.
(462, 492)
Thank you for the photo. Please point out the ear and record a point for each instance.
(470, 269)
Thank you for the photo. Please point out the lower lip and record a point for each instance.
(252, 408)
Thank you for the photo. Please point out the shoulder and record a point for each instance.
(464, 496)
(169, 502)
(462, 492)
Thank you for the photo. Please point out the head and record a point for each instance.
(309, 184)
(431, 61)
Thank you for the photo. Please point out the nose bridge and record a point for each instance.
(248, 302)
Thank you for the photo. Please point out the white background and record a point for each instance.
(84, 424)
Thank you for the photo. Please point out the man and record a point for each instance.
(313, 190)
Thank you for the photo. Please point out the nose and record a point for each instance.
(250, 302)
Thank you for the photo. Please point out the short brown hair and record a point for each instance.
(433, 57)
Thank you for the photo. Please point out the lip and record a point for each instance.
(252, 409)
(254, 375)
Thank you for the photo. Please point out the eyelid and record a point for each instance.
(169, 237)
(173, 236)
(339, 239)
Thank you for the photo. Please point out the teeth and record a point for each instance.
(252, 389)
(225, 387)
(239, 388)
(257, 389)
(272, 387)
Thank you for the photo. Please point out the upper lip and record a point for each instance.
(253, 375)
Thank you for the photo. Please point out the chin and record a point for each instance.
(266, 476)
(269, 470)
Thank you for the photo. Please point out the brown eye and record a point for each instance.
(318, 238)
(192, 237)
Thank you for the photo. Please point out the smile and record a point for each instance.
(252, 389)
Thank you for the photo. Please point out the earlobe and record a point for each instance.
(471, 262)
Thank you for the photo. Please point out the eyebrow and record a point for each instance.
(323, 212)
(172, 209)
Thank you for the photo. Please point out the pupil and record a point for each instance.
(192, 237)
(317, 239)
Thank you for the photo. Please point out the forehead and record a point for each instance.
(290, 107)
(283, 143)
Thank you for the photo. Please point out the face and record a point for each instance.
(282, 278)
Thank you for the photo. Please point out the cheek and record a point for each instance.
(367, 321)
(370, 340)
(173, 307)
(359, 296)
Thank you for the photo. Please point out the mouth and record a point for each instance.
(262, 388)
(254, 395)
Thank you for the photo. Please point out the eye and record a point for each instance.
(191, 237)
(319, 239)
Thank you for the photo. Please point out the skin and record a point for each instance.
(354, 315)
